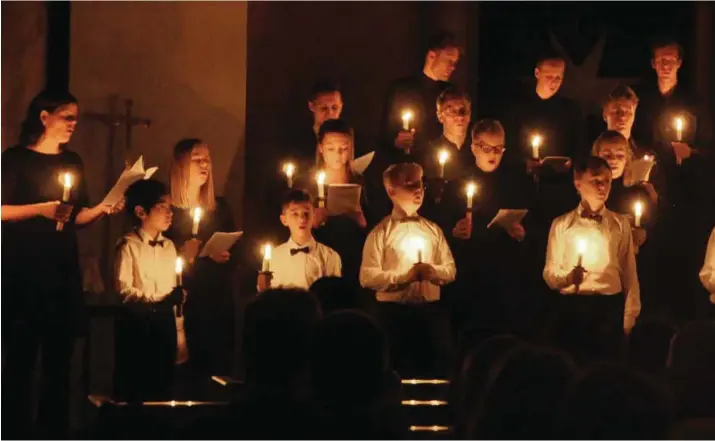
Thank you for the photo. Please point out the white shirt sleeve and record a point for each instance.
(707, 273)
(333, 265)
(372, 272)
(124, 276)
(629, 277)
(555, 275)
(444, 266)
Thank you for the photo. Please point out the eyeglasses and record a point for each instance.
(486, 148)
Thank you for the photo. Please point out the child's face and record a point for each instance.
(335, 148)
(159, 217)
(594, 187)
(488, 150)
(619, 116)
(409, 193)
(455, 115)
(615, 154)
(298, 217)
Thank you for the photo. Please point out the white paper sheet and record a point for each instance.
(343, 198)
(219, 243)
(640, 169)
(127, 178)
(359, 165)
(507, 217)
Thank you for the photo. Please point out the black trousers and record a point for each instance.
(590, 327)
(22, 343)
(419, 337)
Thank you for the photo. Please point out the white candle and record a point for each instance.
(406, 118)
(442, 158)
(197, 219)
(321, 185)
(536, 141)
(638, 209)
(179, 271)
(471, 189)
(418, 245)
(580, 250)
(266, 258)
(679, 125)
(66, 181)
(289, 170)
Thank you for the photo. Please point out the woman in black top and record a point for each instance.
(41, 284)
(210, 304)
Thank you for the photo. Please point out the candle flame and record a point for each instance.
(647, 157)
(443, 156)
(321, 178)
(407, 115)
(471, 189)
(289, 169)
(536, 140)
(638, 208)
(581, 246)
(179, 265)
(66, 179)
(679, 123)
(267, 251)
(197, 214)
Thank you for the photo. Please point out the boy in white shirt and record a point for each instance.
(150, 336)
(590, 261)
(301, 260)
(405, 260)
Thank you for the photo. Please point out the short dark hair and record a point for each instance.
(666, 42)
(593, 164)
(442, 40)
(145, 193)
(323, 85)
(295, 196)
(488, 125)
(47, 100)
(452, 93)
(548, 54)
(334, 126)
(621, 92)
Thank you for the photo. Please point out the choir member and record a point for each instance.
(150, 337)
(210, 310)
(418, 94)
(489, 297)
(405, 260)
(44, 201)
(301, 260)
(591, 262)
(707, 273)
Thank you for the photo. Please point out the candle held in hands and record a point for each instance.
(638, 210)
(470, 190)
(197, 219)
(442, 158)
(289, 170)
(536, 141)
(266, 267)
(179, 271)
(406, 118)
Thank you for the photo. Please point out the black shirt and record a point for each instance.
(41, 266)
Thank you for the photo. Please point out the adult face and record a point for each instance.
(325, 106)
(549, 77)
(443, 62)
(60, 124)
(666, 62)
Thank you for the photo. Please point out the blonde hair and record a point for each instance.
(621, 92)
(488, 125)
(179, 177)
(612, 137)
(395, 174)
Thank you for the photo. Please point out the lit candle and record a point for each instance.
(638, 209)
(442, 158)
(179, 271)
(289, 170)
(197, 219)
(266, 258)
(66, 181)
(679, 125)
(536, 141)
(580, 250)
(418, 246)
(471, 189)
(321, 185)
(406, 118)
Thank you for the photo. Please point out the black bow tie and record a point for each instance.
(153, 243)
(295, 251)
(592, 216)
(410, 219)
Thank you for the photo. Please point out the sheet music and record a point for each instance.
(127, 178)
(359, 165)
(343, 198)
(507, 217)
(640, 169)
(220, 242)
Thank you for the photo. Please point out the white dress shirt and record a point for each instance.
(389, 254)
(301, 269)
(707, 274)
(609, 258)
(147, 274)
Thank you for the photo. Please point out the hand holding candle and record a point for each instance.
(442, 158)
(197, 219)
(66, 181)
(289, 170)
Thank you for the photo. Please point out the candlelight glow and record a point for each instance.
(67, 180)
(424, 403)
(638, 208)
(429, 428)
(321, 178)
(406, 118)
(267, 251)
(443, 156)
(647, 157)
(289, 169)
(536, 140)
(679, 123)
(197, 214)
(581, 245)
(416, 381)
(471, 189)
(418, 247)
(179, 265)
